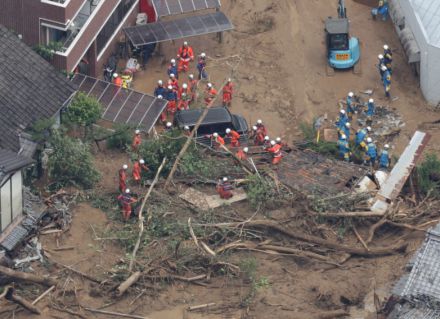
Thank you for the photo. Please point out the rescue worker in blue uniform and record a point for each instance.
(382, 9)
(384, 158)
(341, 120)
(344, 148)
(160, 89)
(371, 152)
(350, 107)
(361, 135)
(172, 69)
(387, 57)
(345, 130)
(386, 80)
(371, 108)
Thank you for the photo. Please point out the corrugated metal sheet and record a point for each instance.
(14, 238)
(429, 14)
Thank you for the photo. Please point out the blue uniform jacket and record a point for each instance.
(384, 160)
(172, 69)
(360, 136)
(371, 108)
(171, 95)
(160, 90)
(372, 152)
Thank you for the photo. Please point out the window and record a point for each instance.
(112, 24)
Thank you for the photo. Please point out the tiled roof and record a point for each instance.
(10, 162)
(30, 89)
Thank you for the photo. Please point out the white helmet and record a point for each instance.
(169, 124)
(173, 61)
(184, 85)
(229, 80)
(185, 43)
(186, 128)
(369, 128)
(370, 101)
(172, 75)
(342, 111)
(383, 67)
(380, 56)
(278, 139)
(385, 47)
(225, 179)
(347, 124)
(160, 82)
(386, 146)
(266, 138)
(127, 191)
(137, 132)
(369, 139)
(115, 75)
(170, 87)
(254, 128)
(141, 161)
(228, 130)
(203, 54)
(350, 94)
(272, 142)
(209, 85)
(246, 149)
(343, 136)
(160, 97)
(191, 76)
(125, 166)
(215, 134)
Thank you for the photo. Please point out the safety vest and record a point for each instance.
(384, 160)
(343, 146)
(372, 152)
(360, 135)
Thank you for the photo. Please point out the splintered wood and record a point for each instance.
(207, 202)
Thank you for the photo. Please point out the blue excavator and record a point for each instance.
(343, 51)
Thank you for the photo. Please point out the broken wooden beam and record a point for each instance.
(25, 277)
(11, 296)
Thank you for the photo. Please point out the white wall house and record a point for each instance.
(11, 190)
(417, 24)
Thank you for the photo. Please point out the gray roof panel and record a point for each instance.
(429, 13)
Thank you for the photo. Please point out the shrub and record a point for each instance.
(83, 110)
(120, 138)
(428, 175)
(47, 51)
(71, 162)
(322, 147)
(261, 192)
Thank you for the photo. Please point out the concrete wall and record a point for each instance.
(429, 55)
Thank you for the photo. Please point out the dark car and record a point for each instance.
(217, 120)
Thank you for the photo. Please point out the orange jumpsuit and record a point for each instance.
(227, 94)
(235, 138)
(259, 137)
(137, 170)
(117, 81)
(262, 128)
(217, 141)
(126, 200)
(122, 180)
(210, 95)
(174, 83)
(224, 189)
(276, 153)
(241, 155)
(185, 55)
(137, 140)
(192, 86)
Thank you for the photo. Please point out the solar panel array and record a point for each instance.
(171, 7)
(178, 28)
(121, 105)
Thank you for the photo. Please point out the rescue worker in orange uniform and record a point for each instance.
(242, 154)
(137, 140)
(261, 127)
(186, 130)
(184, 96)
(210, 93)
(173, 82)
(227, 93)
(259, 136)
(192, 85)
(234, 136)
(163, 115)
(138, 167)
(266, 142)
(172, 101)
(123, 178)
(185, 55)
(217, 140)
(224, 188)
(117, 80)
(275, 149)
(126, 201)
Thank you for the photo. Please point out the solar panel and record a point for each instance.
(173, 7)
(121, 105)
(178, 28)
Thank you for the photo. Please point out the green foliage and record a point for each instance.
(262, 192)
(47, 51)
(249, 267)
(41, 130)
(262, 283)
(71, 162)
(428, 174)
(121, 137)
(322, 147)
(83, 110)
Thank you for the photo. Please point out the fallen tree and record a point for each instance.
(25, 277)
